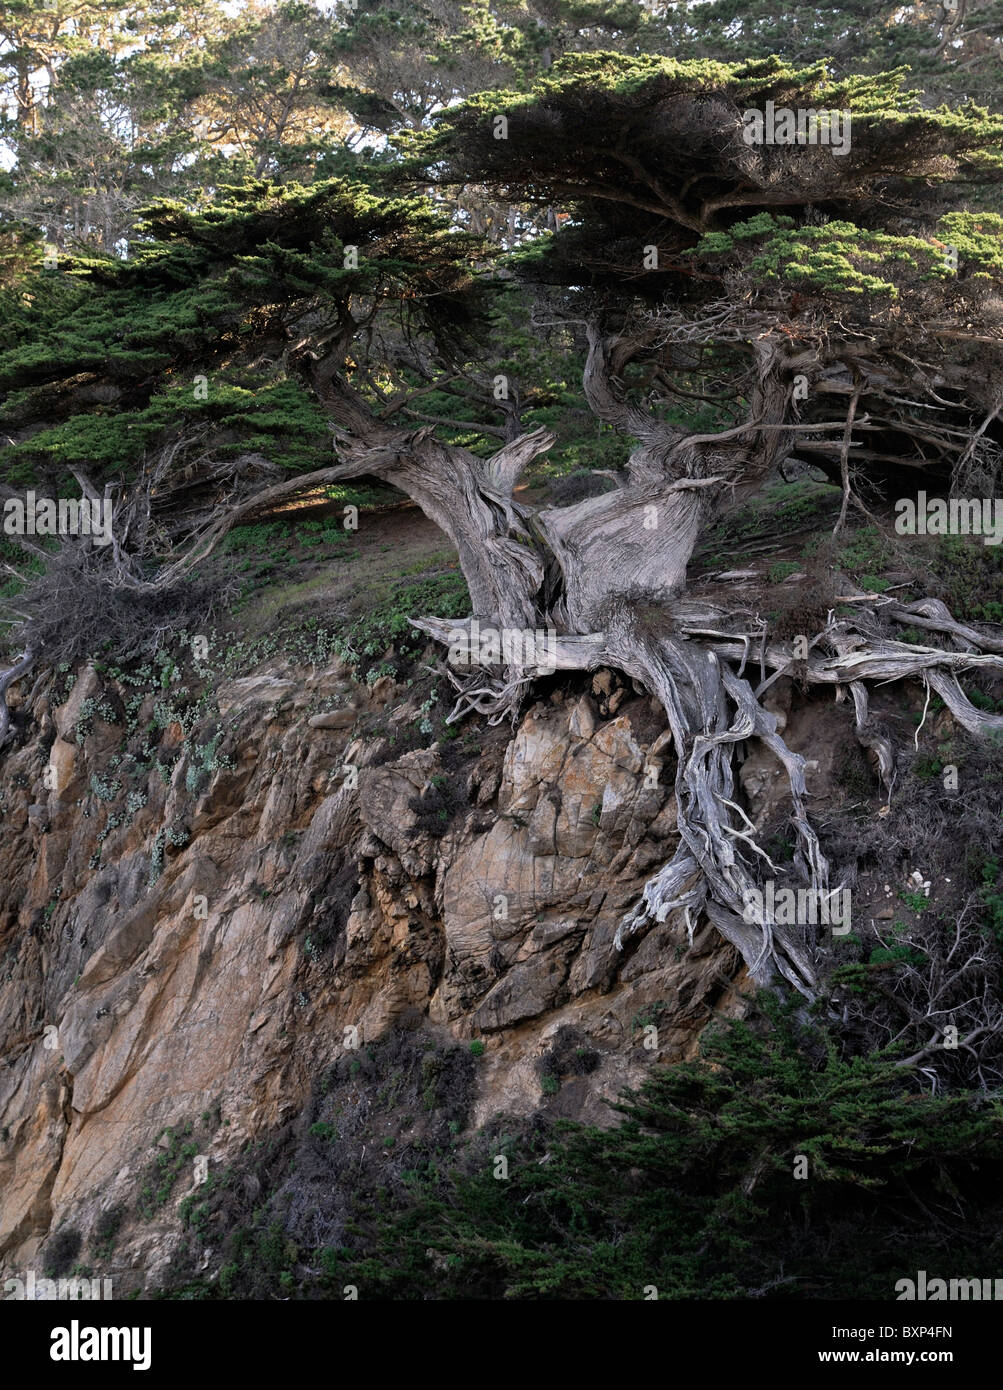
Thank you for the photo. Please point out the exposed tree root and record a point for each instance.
(696, 674)
(621, 559)
(14, 673)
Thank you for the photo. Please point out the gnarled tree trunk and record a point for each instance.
(608, 577)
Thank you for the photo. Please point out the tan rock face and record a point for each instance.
(62, 761)
(208, 937)
(552, 875)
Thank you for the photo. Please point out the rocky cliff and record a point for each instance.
(204, 908)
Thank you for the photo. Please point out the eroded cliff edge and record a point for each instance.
(196, 912)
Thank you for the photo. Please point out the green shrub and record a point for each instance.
(105, 1231)
(970, 578)
(61, 1250)
(694, 1190)
(992, 901)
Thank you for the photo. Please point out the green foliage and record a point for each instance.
(176, 1148)
(204, 763)
(866, 550)
(206, 292)
(991, 895)
(841, 258)
(874, 584)
(560, 129)
(894, 955)
(917, 901)
(387, 625)
(927, 767)
(776, 511)
(277, 419)
(946, 47)
(693, 1190)
(978, 239)
(970, 577)
(105, 1232)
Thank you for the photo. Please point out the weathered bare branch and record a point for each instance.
(13, 673)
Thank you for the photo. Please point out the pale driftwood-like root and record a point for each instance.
(711, 709)
(609, 576)
(495, 698)
(853, 659)
(14, 673)
(856, 656)
(498, 692)
(869, 737)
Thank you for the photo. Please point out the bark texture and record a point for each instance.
(607, 578)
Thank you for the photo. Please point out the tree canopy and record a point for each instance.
(671, 210)
(245, 288)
